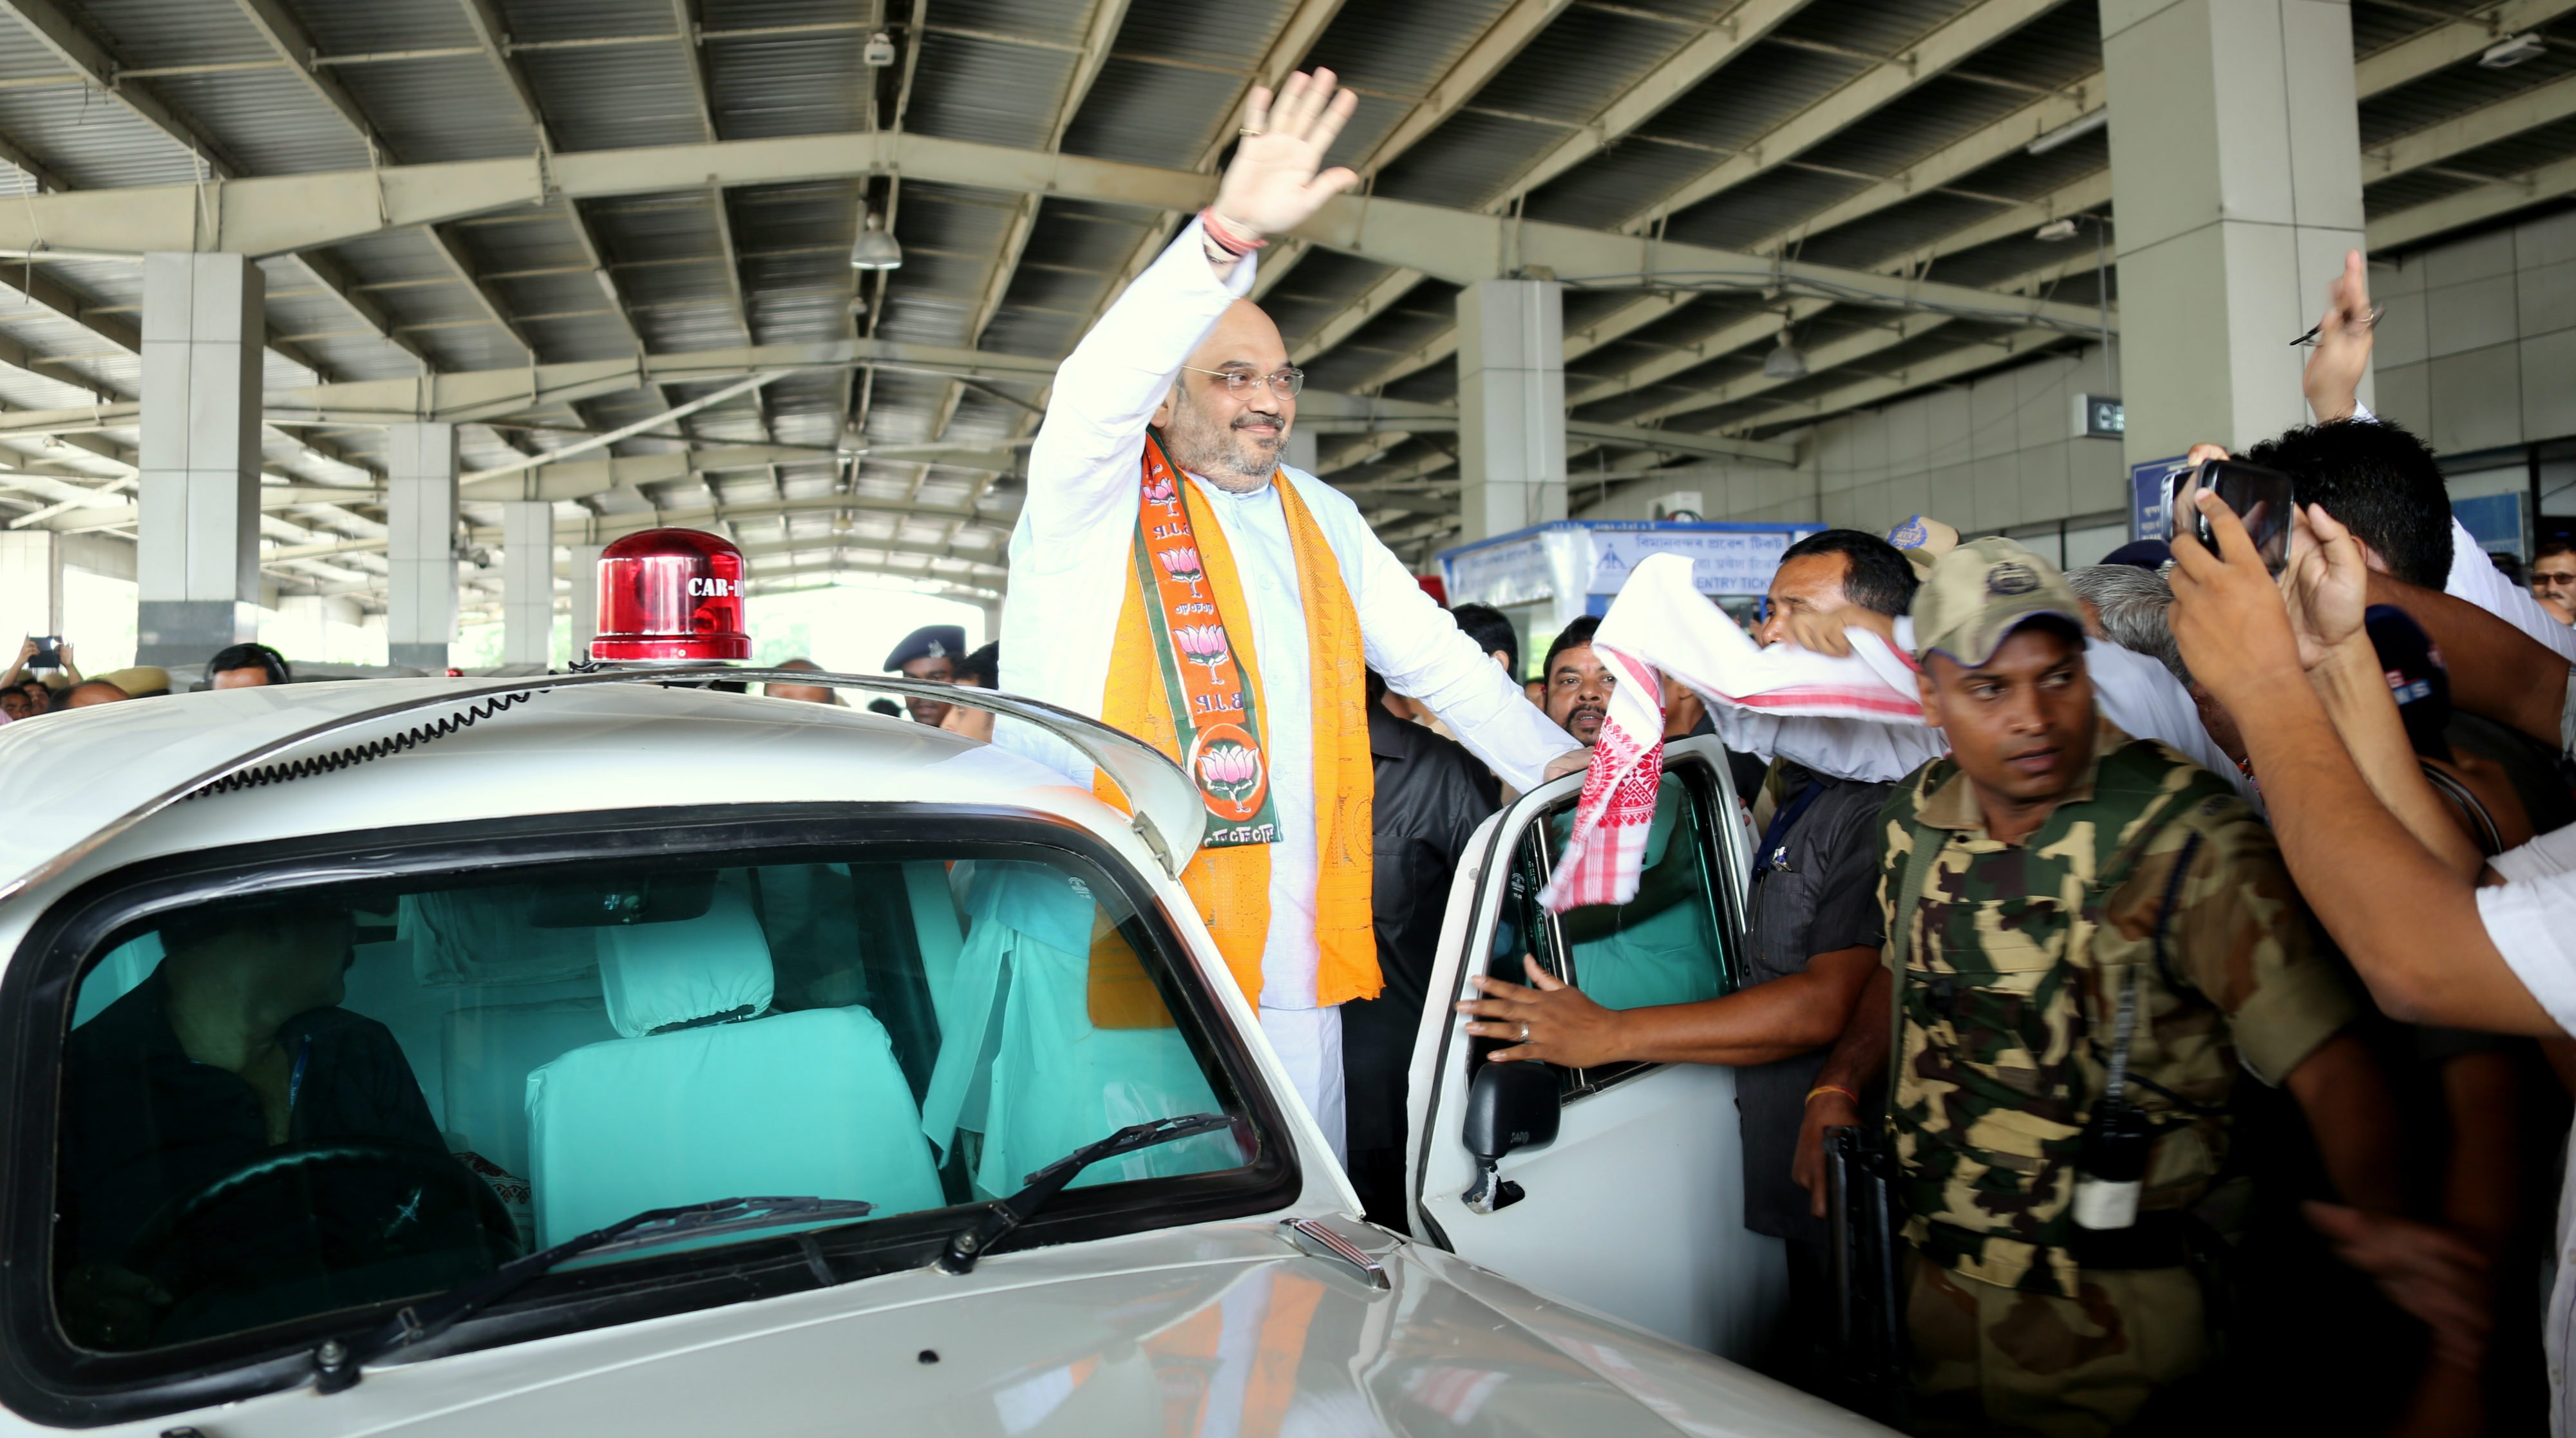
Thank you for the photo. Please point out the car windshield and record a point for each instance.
(327, 1097)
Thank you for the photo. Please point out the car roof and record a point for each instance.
(455, 756)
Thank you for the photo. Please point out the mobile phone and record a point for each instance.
(49, 652)
(2260, 497)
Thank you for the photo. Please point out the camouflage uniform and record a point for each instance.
(2016, 957)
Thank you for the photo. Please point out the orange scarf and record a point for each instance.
(1231, 885)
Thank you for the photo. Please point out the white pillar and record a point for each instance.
(31, 584)
(1299, 452)
(528, 582)
(584, 574)
(1511, 405)
(420, 544)
(197, 529)
(2236, 174)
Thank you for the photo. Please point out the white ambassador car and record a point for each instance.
(591, 1055)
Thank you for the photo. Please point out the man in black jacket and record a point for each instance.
(1431, 794)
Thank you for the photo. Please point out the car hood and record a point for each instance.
(1216, 1331)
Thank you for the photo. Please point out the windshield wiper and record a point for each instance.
(1003, 1215)
(339, 1364)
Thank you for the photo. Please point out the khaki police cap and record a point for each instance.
(1980, 592)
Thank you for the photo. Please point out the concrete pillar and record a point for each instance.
(2236, 176)
(31, 585)
(420, 544)
(197, 531)
(585, 598)
(1299, 452)
(528, 582)
(1511, 406)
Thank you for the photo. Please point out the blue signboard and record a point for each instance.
(2495, 521)
(2147, 496)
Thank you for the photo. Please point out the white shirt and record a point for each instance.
(2475, 578)
(2134, 692)
(1070, 571)
(2531, 919)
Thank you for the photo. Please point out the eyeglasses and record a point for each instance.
(2309, 340)
(1286, 383)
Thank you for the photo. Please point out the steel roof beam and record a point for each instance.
(491, 305)
(17, 156)
(2450, 42)
(1956, 364)
(336, 281)
(2502, 120)
(1287, 48)
(2471, 207)
(269, 214)
(1932, 55)
(55, 29)
(1501, 43)
(1502, 40)
(1680, 73)
(294, 45)
(684, 18)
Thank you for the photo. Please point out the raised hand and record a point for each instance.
(2342, 355)
(2228, 613)
(2326, 584)
(1274, 184)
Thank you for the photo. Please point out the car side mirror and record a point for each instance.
(1510, 1106)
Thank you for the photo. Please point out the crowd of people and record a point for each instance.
(2193, 943)
(2065, 917)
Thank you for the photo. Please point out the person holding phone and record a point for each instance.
(32, 656)
(2440, 932)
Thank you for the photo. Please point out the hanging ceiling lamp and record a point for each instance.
(875, 249)
(1786, 361)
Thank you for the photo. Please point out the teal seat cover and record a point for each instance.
(1020, 1061)
(803, 1104)
(807, 1104)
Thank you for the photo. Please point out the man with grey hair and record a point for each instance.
(2127, 605)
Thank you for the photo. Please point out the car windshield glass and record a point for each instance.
(322, 1098)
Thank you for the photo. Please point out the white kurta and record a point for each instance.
(1070, 571)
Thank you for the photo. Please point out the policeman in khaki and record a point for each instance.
(2089, 938)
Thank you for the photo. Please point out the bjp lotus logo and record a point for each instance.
(1230, 770)
(1202, 644)
(1182, 564)
(1158, 488)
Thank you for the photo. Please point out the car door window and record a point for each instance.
(1671, 944)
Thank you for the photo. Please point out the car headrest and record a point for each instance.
(707, 970)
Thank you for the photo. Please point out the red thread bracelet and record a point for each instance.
(1832, 1088)
(1224, 238)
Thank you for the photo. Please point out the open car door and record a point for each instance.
(1636, 1207)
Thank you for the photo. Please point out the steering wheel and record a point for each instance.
(431, 1204)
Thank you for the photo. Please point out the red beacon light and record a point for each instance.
(670, 596)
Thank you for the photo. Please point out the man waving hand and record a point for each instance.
(1169, 576)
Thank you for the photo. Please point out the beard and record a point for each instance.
(1225, 452)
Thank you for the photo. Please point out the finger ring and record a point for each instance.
(1524, 1033)
(1247, 130)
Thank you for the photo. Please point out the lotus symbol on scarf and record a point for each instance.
(1181, 564)
(1201, 644)
(1230, 770)
(1158, 489)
